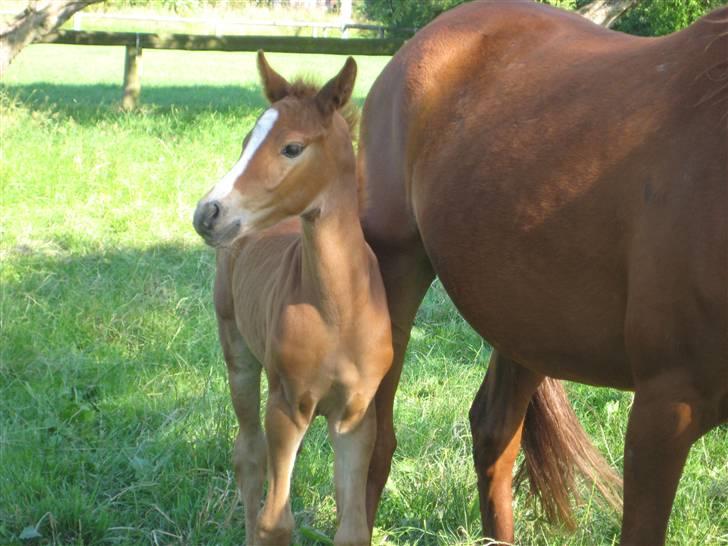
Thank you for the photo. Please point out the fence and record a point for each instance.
(135, 42)
(215, 24)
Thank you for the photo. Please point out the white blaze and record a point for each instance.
(260, 131)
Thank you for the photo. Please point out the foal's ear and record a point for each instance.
(275, 86)
(337, 92)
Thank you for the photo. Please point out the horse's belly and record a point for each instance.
(581, 340)
(552, 296)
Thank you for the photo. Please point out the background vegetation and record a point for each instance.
(647, 17)
(115, 420)
(417, 13)
(658, 17)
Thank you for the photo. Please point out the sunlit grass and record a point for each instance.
(115, 421)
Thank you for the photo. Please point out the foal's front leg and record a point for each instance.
(285, 427)
(249, 452)
(352, 453)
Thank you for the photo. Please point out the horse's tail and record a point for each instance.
(557, 450)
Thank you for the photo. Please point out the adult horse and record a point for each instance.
(569, 185)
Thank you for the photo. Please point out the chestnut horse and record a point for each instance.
(298, 292)
(569, 186)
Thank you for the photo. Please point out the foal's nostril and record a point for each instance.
(211, 214)
(206, 216)
(214, 210)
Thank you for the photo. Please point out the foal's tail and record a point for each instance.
(557, 450)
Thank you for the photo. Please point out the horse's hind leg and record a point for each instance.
(352, 453)
(249, 455)
(496, 421)
(666, 418)
(407, 275)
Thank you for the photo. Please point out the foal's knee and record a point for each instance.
(249, 455)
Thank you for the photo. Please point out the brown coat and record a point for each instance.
(569, 185)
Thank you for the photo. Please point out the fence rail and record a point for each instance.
(135, 42)
(217, 24)
(202, 42)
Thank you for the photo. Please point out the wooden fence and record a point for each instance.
(217, 24)
(135, 42)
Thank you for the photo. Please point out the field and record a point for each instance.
(115, 420)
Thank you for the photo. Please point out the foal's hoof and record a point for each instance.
(352, 539)
(273, 536)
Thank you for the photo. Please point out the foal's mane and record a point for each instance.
(303, 87)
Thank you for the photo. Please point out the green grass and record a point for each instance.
(115, 421)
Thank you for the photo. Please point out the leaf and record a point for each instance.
(312, 534)
(29, 533)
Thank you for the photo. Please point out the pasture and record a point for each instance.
(115, 418)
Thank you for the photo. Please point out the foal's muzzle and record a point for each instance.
(206, 216)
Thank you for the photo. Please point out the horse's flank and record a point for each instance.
(568, 184)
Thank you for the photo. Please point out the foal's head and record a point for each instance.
(297, 146)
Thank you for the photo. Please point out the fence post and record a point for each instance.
(345, 17)
(132, 81)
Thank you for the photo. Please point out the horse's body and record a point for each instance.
(569, 185)
(298, 294)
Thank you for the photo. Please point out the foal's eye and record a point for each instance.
(292, 150)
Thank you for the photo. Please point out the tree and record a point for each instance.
(658, 17)
(605, 12)
(38, 19)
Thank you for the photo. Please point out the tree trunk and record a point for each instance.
(605, 12)
(40, 18)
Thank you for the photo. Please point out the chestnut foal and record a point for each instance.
(298, 292)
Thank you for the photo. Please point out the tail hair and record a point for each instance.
(557, 452)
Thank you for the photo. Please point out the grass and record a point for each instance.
(115, 420)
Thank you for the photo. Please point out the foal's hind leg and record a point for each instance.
(352, 453)
(249, 453)
(496, 421)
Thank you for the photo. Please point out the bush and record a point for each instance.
(658, 17)
(646, 18)
(406, 14)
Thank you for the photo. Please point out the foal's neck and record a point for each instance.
(335, 266)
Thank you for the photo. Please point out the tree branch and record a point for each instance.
(38, 19)
(605, 12)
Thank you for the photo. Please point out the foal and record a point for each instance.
(298, 292)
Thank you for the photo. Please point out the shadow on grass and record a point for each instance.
(113, 398)
(88, 104)
(114, 402)
(81, 296)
